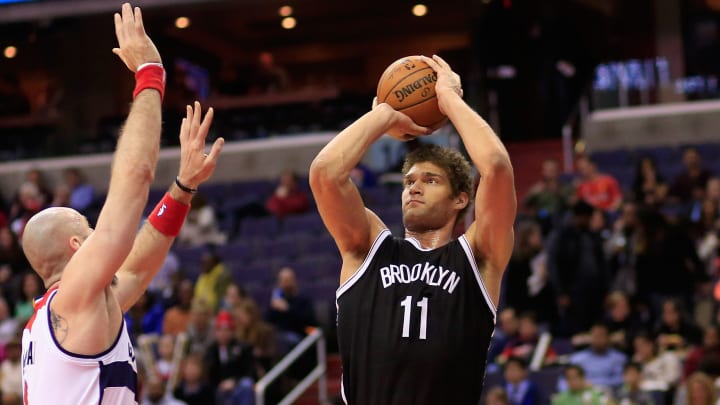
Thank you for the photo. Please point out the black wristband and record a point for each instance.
(184, 187)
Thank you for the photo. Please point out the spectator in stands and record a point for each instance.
(363, 177)
(193, 388)
(496, 396)
(676, 330)
(201, 226)
(579, 390)
(549, 196)
(623, 322)
(269, 76)
(82, 193)
(505, 330)
(709, 351)
(705, 212)
(8, 324)
(230, 364)
(155, 394)
(621, 249)
(661, 370)
(525, 344)
(145, 317)
(600, 190)
(31, 201)
(37, 177)
(13, 100)
(520, 390)
(177, 317)
(214, 279)
(526, 278)
(11, 374)
(603, 364)
(200, 330)
(288, 198)
(700, 390)
(648, 186)
(167, 279)
(631, 392)
(251, 329)
(690, 184)
(32, 287)
(290, 311)
(234, 295)
(667, 265)
(13, 262)
(164, 367)
(578, 269)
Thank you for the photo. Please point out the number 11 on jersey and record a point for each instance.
(407, 305)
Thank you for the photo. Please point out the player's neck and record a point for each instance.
(431, 239)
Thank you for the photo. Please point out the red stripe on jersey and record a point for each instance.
(38, 304)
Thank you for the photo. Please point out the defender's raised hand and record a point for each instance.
(195, 165)
(135, 47)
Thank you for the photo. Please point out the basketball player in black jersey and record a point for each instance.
(415, 314)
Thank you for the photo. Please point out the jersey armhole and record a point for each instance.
(478, 277)
(363, 267)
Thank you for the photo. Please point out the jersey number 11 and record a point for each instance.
(407, 305)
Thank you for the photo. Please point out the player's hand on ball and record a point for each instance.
(402, 128)
(448, 82)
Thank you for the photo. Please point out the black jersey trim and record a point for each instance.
(363, 267)
(471, 258)
(76, 355)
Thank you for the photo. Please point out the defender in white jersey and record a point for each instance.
(76, 348)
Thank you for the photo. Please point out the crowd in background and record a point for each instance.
(622, 280)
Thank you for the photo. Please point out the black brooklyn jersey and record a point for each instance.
(414, 325)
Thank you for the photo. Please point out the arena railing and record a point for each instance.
(317, 374)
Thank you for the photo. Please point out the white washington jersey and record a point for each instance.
(53, 375)
(414, 325)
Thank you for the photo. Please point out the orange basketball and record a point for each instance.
(408, 85)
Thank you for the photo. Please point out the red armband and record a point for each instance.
(150, 76)
(169, 216)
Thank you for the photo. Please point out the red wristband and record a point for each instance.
(150, 76)
(169, 216)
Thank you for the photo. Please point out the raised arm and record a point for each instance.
(151, 245)
(352, 226)
(93, 266)
(491, 235)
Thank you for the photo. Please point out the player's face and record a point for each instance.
(427, 201)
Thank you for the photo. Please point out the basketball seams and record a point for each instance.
(401, 79)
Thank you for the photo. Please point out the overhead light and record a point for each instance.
(182, 22)
(288, 23)
(419, 10)
(10, 52)
(285, 11)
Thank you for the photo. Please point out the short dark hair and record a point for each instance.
(634, 365)
(517, 360)
(575, 367)
(458, 169)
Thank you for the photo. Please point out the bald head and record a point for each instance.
(51, 237)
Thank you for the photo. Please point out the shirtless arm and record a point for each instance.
(491, 235)
(352, 225)
(93, 266)
(151, 246)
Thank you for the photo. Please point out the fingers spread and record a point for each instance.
(434, 65)
(139, 27)
(183, 129)
(118, 29)
(127, 19)
(205, 126)
(215, 150)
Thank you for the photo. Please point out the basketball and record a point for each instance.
(408, 85)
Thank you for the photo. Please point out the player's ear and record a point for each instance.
(75, 242)
(461, 200)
